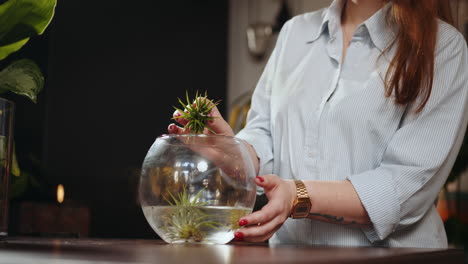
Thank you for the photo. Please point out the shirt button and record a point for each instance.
(358, 44)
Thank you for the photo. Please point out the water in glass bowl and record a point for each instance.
(195, 224)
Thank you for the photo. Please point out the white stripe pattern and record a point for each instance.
(316, 118)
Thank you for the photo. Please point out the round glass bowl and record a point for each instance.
(195, 188)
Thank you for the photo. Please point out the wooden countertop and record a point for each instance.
(77, 251)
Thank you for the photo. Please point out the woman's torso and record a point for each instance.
(330, 119)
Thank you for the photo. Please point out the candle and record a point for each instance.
(60, 193)
(61, 218)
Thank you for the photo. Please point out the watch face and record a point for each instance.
(301, 210)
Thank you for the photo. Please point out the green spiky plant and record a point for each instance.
(197, 112)
(186, 220)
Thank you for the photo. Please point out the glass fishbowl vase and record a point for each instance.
(195, 188)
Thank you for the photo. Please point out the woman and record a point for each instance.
(365, 103)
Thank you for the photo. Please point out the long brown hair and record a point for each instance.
(411, 71)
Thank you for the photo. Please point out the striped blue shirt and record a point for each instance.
(315, 116)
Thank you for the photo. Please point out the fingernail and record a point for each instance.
(239, 236)
(178, 114)
(172, 127)
(260, 178)
(194, 105)
(243, 222)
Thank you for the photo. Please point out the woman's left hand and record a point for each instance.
(261, 225)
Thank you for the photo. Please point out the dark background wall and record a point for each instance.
(114, 70)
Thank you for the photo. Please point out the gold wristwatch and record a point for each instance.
(301, 206)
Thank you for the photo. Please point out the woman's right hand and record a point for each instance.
(218, 124)
(262, 224)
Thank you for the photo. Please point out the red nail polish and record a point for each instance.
(243, 222)
(178, 114)
(239, 236)
(172, 127)
(260, 179)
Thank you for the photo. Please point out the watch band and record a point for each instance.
(301, 190)
(302, 204)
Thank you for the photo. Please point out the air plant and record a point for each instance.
(186, 220)
(197, 113)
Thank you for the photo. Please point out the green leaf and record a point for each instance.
(22, 19)
(22, 77)
(10, 48)
(15, 169)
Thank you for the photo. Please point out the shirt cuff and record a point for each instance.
(379, 197)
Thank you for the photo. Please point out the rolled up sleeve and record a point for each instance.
(257, 132)
(421, 153)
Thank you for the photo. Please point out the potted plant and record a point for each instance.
(19, 21)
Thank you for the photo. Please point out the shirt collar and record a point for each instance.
(381, 33)
(329, 17)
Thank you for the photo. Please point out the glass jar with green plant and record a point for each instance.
(195, 187)
(21, 20)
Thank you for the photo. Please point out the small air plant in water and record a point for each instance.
(186, 219)
(197, 113)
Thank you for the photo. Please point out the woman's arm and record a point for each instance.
(333, 202)
(256, 134)
(336, 202)
(220, 126)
